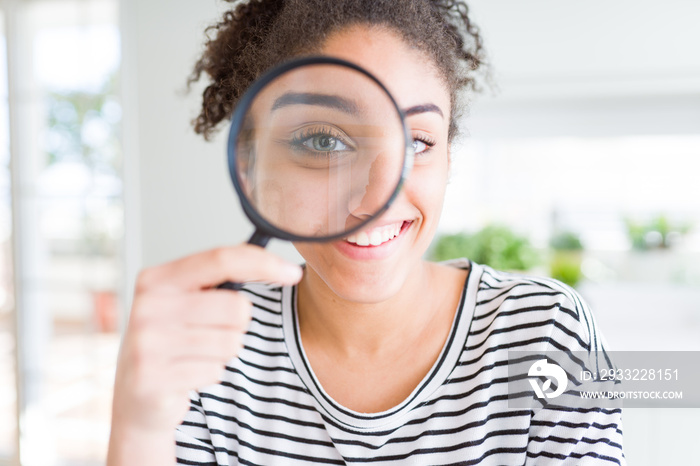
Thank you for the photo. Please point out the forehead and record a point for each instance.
(409, 74)
(328, 91)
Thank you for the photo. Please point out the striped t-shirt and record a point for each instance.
(270, 409)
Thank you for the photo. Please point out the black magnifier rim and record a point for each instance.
(262, 225)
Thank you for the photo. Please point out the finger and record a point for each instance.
(180, 377)
(242, 263)
(194, 374)
(217, 308)
(212, 308)
(153, 347)
(205, 344)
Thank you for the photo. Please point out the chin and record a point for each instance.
(366, 274)
(371, 288)
(368, 282)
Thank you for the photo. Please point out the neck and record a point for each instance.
(350, 329)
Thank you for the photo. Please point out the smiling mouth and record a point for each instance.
(377, 236)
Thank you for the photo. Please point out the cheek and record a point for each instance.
(426, 189)
(319, 257)
(300, 202)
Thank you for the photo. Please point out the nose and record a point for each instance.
(375, 187)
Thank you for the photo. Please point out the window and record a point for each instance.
(64, 62)
(8, 397)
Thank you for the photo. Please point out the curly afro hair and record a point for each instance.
(257, 34)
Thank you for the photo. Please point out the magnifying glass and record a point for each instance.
(318, 148)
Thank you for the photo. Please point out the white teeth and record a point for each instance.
(387, 234)
(376, 236)
(362, 239)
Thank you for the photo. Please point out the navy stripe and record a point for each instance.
(506, 296)
(265, 323)
(429, 433)
(267, 433)
(195, 463)
(274, 383)
(573, 455)
(277, 299)
(288, 420)
(195, 447)
(269, 451)
(266, 368)
(491, 452)
(497, 310)
(263, 337)
(458, 446)
(257, 397)
(271, 354)
(434, 415)
(574, 441)
(266, 309)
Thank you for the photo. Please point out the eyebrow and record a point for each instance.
(416, 109)
(322, 100)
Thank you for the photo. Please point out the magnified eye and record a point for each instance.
(320, 139)
(324, 143)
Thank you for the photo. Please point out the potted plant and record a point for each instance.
(494, 245)
(657, 233)
(566, 258)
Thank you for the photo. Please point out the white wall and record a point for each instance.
(595, 68)
(561, 48)
(179, 199)
(185, 201)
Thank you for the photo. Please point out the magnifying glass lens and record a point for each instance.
(320, 151)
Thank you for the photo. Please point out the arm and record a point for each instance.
(180, 334)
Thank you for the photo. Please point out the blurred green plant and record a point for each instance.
(657, 233)
(495, 245)
(566, 241)
(82, 128)
(566, 257)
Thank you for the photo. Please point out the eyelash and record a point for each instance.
(425, 139)
(299, 138)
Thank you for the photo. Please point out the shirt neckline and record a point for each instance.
(436, 376)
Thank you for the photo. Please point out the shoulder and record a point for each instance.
(267, 316)
(262, 293)
(267, 300)
(534, 311)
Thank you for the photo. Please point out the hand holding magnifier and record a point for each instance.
(318, 148)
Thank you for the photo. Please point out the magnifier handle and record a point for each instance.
(258, 238)
(233, 286)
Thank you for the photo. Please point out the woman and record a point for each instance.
(370, 354)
